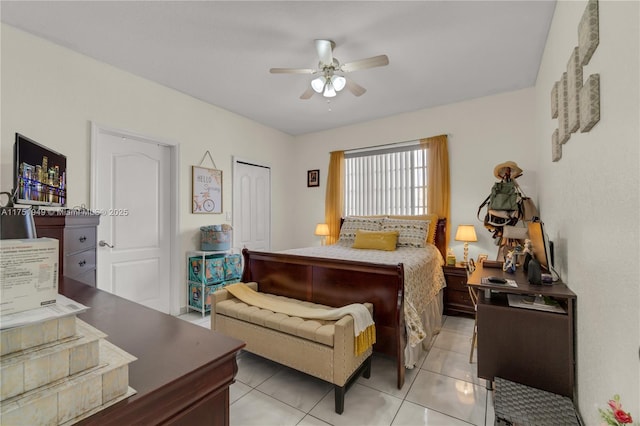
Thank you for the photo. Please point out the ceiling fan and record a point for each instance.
(332, 81)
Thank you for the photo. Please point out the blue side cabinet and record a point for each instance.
(208, 271)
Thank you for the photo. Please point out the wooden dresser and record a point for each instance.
(77, 232)
(456, 296)
(182, 373)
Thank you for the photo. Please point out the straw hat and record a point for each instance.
(499, 171)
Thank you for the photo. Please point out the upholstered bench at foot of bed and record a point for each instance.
(320, 348)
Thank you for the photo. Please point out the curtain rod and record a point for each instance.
(392, 144)
(386, 145)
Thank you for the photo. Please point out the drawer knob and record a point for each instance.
(82, 263)
(83, 239)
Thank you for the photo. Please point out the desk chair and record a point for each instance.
(474, 339)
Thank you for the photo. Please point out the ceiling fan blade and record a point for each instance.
(307, 93)
(375, 61)
(355, 88)
(325, 51)
(292, 71)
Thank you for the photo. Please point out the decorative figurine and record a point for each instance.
(509, 265)
(528, 254)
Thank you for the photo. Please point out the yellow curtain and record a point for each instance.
(439, 187)
(334, 199)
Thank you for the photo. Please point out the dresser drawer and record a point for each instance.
(459, 298)
(79, 263)
(76, 239)
(456, 282)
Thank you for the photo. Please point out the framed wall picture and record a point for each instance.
(206, 190)
(313, 178)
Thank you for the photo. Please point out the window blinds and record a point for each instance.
(392, 180)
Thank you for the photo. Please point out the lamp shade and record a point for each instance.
(17, 223)
(329, 91)
(466, 233)
(338, 82)
(322, 229)
(318, 84)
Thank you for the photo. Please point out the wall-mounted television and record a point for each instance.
(39, 174)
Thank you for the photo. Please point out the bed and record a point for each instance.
(404, 285)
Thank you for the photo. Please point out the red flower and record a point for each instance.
(622, 417)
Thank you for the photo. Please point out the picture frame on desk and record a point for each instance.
(471, 266)
(482, 258)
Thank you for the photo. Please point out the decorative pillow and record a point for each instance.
(376, 240)
(433, 224)
(351, 224)
(411, 233)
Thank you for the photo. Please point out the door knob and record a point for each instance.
(103, 243)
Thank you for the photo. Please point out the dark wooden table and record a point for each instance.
(527, 346)
(183, 371)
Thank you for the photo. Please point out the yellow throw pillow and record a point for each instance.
(376, 240)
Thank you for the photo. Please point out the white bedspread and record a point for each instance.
(423, 277)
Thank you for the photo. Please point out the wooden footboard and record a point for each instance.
(338, 283)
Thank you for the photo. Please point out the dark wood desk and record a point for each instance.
(532, 347)
(183, 371)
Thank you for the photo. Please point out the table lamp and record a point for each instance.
(16, 222)
(322, 229)
(466, 233)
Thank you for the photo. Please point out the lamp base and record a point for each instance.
(466, 254)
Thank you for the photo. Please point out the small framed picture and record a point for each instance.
(206, 190)
(482, 258)
(471, 266)
(313, 178)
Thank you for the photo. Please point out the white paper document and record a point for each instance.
(63, 307)
(538, 303)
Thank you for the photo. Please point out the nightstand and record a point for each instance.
(456, 296)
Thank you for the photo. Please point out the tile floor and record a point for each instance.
(443, 389)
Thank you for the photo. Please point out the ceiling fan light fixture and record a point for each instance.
(338, 82)
(318, 84)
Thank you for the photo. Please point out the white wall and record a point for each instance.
(482, 133)
(51, 94)
(590, 202)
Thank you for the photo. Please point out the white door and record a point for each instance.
(251, 205)
(132, 191)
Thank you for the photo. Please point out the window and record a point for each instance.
(390, 180)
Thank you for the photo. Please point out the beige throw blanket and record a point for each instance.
(364, 327)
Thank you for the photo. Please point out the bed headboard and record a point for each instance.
(440, 240)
